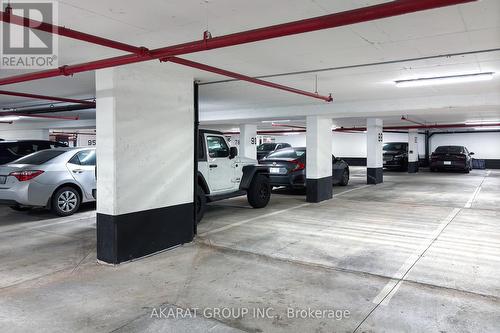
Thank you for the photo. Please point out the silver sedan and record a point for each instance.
(59, 179)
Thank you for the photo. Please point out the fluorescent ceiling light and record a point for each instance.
(487, 128)
(481, 122)
(276, 121)
(432, 81)
(9, 118)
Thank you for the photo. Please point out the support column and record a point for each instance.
(145, 134)
(374, 145)
(319, 159)
(248, 141)
(412, 151)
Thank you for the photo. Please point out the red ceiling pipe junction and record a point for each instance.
(48, 98)
(388, 9)
(215, 70)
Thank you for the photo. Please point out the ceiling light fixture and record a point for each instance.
(481, 122)
(440, 80)
(487, 128)
(9, 118)
(276, 121)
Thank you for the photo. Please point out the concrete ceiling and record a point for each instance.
(358, 92)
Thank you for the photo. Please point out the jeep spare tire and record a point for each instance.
(259, 192)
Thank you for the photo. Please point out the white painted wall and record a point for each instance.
(484, 145)
(349, 144)
(26, 134)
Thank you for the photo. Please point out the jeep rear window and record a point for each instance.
(39, 158)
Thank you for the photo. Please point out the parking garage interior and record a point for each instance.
(177, 98)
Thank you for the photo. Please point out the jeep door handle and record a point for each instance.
(213, 166)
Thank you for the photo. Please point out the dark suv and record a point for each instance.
(267, 148)
(396, 155)
(13, 150)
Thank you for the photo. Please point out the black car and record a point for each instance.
(396, 155)
(266, 148)
(451, 158)
(287, 167)
(12, 150)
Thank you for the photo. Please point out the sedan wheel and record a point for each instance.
(65, 201)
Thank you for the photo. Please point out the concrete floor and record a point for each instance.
(418, 253)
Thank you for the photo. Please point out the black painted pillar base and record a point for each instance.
(374, 175)
(412, 167)
(130, 236)
(318, 190)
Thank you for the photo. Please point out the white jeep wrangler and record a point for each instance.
(222, 174)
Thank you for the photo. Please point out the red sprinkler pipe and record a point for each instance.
(411, 121)
(215, 70)
(48, 98)
(8, 17)
(289, 126)
(37, 116)
(388, 9)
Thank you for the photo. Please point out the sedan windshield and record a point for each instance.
(266, 147)
(39, 158)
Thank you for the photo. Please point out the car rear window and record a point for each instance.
(39, 158)
(286, 153)
(395, 146)
(449, 149)
(266, 147)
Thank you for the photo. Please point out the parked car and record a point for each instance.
(451, 158)
(222, 174)
(13, 150)
(396, 155)
(266, 148)
(287, 167)
(59, 179)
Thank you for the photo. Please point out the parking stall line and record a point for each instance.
(391, 288)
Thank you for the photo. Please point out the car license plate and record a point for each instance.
(274, 170)
(447, 162)
(3, 179)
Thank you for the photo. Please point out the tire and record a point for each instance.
(20, 208)
(65, 201)
(259, 192)
(201, 203)
(345, 178)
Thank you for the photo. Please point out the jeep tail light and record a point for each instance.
(26, 175)
(298, 165)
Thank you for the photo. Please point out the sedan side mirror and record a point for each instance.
(471, 153)
(233, 152)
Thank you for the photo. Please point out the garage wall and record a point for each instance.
(39, 134)
(484, 145)
(351, 144)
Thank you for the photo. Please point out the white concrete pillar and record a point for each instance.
(413, 151)
(248, 141)
(319, 159)
(145, 168)
(374, 145)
